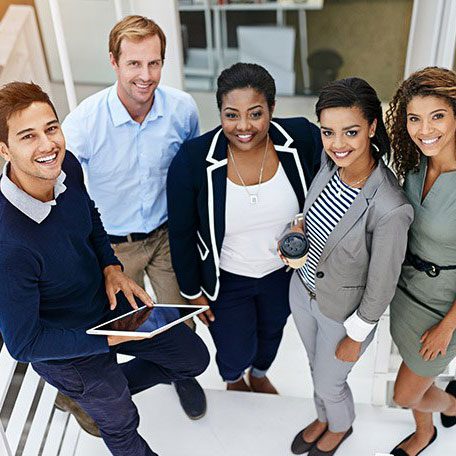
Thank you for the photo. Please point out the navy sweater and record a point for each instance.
(51, 279)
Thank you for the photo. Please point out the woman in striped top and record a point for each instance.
(356, 219)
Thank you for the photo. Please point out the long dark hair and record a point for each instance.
(431, 81)
(243, 75)
(356, 92)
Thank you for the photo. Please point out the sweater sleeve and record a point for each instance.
(182, 225)
(98, 237)
(26, 336)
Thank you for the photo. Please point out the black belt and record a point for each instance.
(133, 237)
(311, 293)
(431, 269)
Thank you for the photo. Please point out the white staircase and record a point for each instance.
(236, 424)
(247, 424)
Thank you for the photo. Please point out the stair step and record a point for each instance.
(249, 424)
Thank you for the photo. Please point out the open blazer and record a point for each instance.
(361, 261)
(197, 194)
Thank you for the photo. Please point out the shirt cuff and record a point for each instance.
(191, 296)
(357, 328)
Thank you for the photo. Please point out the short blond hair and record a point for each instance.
(134, 28)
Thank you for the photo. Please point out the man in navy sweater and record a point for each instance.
(61, 277)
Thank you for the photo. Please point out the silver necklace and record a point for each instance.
(253, 196)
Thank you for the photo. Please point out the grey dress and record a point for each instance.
(422, 301)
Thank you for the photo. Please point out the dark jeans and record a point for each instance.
(103, 388)
(250, 315)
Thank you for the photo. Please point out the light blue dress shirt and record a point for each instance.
(126, 163)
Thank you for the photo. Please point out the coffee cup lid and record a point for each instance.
(294, 245)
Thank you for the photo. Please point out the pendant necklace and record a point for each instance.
(343, 186)
(253, 196)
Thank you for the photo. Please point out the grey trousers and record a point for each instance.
(321, 335)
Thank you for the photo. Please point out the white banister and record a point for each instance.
(63, 54)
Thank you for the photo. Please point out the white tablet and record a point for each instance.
(146, 322)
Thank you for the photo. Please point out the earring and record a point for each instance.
(375, 147)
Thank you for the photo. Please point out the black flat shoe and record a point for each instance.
(400, 452)
(300, 446)
(315, 451)
(449, 421)
(191, 397)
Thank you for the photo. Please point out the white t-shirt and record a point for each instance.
(252, 230)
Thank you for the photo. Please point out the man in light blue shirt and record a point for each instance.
(125, 137)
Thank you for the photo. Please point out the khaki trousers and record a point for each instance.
(152, 257)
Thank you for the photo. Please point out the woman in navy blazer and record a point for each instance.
(231, 194)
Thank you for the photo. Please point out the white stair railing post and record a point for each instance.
(63, 54)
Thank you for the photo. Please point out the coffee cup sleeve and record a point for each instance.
(296, 263)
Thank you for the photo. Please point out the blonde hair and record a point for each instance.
(134, 28)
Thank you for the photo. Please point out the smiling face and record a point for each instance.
(36, 146)
(346, 136)
(138, 71)
(431, 124)
(245, 117)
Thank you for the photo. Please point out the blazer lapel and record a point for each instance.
(289, 158)
(318, 184)
(355, 211)
(216, 192)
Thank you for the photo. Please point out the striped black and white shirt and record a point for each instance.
(321, 219)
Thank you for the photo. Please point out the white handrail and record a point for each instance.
(63, 54)
(118, 9)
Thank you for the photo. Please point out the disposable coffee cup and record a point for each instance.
(294, 247)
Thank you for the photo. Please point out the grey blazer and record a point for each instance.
(361, 261)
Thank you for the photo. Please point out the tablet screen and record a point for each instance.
(145, 319)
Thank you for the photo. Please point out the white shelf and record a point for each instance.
(271, 6)
(216, 24)
(193, 7)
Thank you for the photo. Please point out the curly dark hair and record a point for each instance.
(431, 81)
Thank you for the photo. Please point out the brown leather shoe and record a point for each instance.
(65, 404)
(240, 385)
(261, 385)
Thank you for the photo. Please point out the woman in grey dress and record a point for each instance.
(422, 124)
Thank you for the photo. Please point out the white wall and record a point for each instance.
(432, 35)
(87, 24)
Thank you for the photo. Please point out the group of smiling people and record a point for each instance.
(376, 203)
(379, 235)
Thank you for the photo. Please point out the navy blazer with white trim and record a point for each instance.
(197, 192)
